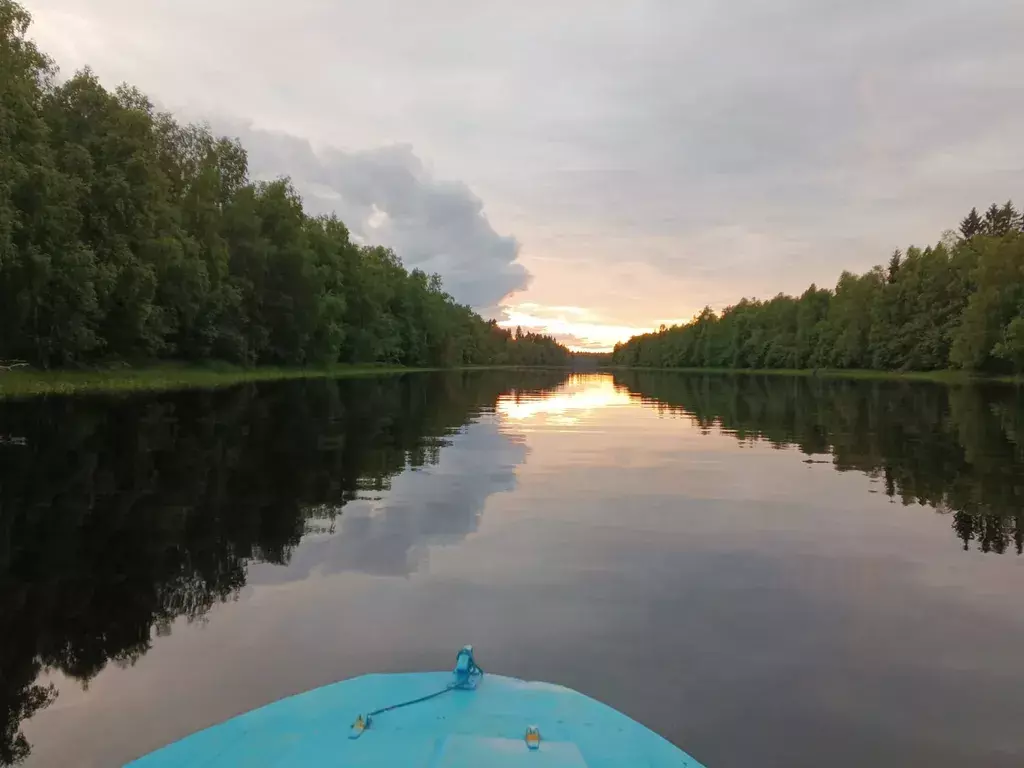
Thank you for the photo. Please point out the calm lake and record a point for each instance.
(766, 571)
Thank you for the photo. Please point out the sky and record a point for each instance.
(593, 168)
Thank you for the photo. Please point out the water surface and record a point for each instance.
(767, 571)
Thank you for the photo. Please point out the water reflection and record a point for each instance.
(118, 516)
(272, 513)
(959, 449)
(439, 503)
(573, 401)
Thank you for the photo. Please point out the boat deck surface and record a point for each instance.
(459, 729)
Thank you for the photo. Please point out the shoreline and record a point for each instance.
(18, 384)
(935, 377)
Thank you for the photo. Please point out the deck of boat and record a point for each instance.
(485, 726)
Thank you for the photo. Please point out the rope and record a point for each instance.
(476, 674)
(435, 694)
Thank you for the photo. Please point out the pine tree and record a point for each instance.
(894, 265)
(1000, 221)
(1009, 218)
(991, 217)
(971, 224)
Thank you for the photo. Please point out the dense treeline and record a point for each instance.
(120, 515)
(127, 236)
(590, 361)
(957, 304)
(957, 449)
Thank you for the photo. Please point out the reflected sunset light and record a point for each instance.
(580, 395)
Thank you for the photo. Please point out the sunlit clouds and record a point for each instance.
(578, 328)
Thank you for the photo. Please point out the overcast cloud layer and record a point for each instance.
(649, 156)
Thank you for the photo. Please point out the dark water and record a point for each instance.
(770, 572)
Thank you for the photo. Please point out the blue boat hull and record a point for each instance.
(485, 726)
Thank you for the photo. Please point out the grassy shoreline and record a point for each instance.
(940, 377)
(23, 383)
(31, 383)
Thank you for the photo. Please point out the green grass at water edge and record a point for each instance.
(28, 383)
(942, 377)
(21, 383)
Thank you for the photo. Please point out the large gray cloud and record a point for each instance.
(715, 149)
(387, 196)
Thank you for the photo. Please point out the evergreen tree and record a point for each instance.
(894, 265)
(1009, 218)
(990, 224)
(971, 224)
(1000, 221)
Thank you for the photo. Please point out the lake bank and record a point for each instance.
(31, 383)
(20, 383)
(940, 377)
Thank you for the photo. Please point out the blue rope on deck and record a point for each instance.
(468, 675)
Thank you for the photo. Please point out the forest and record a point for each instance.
(958, 304)
(126, 236)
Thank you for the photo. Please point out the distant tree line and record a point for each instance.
(590, 361)
(125, 235)
(958, 304)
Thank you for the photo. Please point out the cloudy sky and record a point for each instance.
(596, 167)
